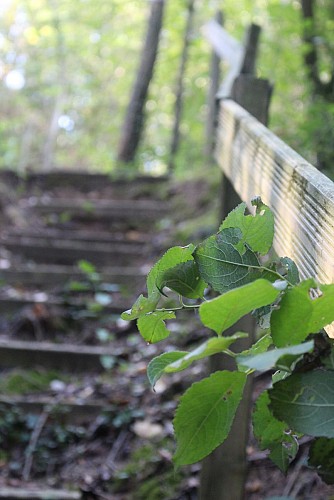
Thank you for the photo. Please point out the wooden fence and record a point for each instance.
(255, 162)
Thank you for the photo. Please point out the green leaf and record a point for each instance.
(173, 257)
(292, 273)
(152, 327)
(257, 231)
(260, 346)
(300, 314)
(321, 457)
(184, 279)
(157, 366)
(222, 312)
(205, 415)
(273, 434)
(208, 348)
(222, 266)
(306, 402)
(142, 306)
(328, 360)
(270, 359)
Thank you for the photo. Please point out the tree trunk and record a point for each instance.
(180, 85)
(212, 101)
(134, 119)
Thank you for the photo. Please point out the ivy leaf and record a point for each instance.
(304, 309)
(222, 266)
(280, 358)
(257, 231)
(222, 312)
(208, 348)
(152, 327)
(156, 367)
(205, 415)
(142, 306)
(292, 273)
(184, 279)
(321, 457)
(273, 434)
(173, 257)
(306, 402)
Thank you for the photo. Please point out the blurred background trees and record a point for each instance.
(67, 68)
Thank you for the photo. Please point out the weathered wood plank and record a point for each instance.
(225, 46)
(258, 163)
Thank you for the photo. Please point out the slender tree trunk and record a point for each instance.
(180, 84)
(211, 120)
(133, 124)
(52, 133)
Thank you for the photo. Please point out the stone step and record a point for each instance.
(68, 358)
(73, 411)
(10, 306)
(88, 181)
(37, 493)
(131, 212)
(127, 237)
(51, 275)
(69, 252)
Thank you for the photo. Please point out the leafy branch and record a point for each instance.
(289, 310)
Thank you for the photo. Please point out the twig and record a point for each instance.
(33, 443)
(293, 478)
(34, 439)
(121, 439)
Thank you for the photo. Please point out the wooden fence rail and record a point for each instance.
(257, 162)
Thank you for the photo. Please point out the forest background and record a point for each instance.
(67, 68)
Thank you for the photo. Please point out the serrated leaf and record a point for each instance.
(184, 279)
(222, 312)
(173, 257)
(208, 348)
(299, 314)
(321, 457)
(270, 359)
(292, 273)
(306, 402)
(222, 266)
(152, 327)
(156, 367)
(205, 415)
(273, 434)
(142, 306)
(257, 231)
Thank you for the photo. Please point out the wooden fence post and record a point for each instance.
(224, 471)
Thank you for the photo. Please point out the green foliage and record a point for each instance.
(273, 434)
(306, 402)
(223, 311)
(322, 458)
(205, 415)
(230, 262)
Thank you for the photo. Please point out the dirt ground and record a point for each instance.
(106, 433)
